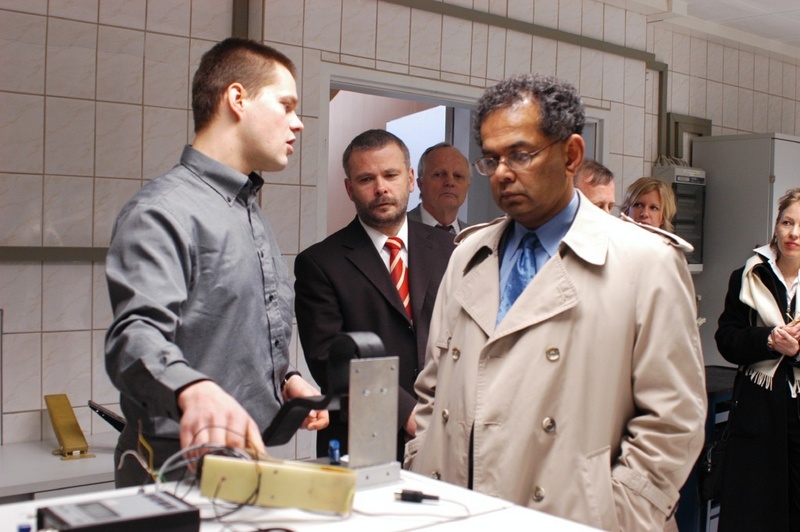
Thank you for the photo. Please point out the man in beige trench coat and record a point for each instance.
(586, 399)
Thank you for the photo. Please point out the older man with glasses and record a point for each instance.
(563, 369)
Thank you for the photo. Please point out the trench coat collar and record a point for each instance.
(550, 293)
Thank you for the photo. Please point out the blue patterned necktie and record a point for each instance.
(521, 274)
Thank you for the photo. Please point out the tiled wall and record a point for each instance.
(94, 99)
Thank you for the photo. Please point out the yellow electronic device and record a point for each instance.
(279, 483)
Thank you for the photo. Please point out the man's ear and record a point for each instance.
(573, 152)
(349, 188)
(234, 99)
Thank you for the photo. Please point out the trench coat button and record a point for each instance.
(549, 424)
(538, 493)
(445, 415)
(456, 353)
(552, 354)
(436, 476)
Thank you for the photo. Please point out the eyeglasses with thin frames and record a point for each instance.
(517, 161)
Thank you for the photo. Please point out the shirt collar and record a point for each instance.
(379, 239)
(229, 183)
(552, 232)
(428, 219)
(768, 253)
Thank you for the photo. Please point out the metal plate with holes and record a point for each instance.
(373, 411)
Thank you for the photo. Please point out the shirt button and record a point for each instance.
(271, 298)
(549, 424)
(277, 343)
(445, 415)
(538, 493)
(436, 476)
(552, 354)
(456, 353)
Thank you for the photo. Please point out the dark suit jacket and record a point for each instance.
(342, 285)
(415, 214)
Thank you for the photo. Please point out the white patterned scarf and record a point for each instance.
(757, 296)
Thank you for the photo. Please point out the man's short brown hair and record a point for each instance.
(230, 61)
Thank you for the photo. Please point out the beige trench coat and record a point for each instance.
(588, 400)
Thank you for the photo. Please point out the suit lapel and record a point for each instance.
(360, 251)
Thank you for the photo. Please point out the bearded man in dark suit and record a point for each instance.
(345, 283)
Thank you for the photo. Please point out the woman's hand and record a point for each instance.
(786, 339)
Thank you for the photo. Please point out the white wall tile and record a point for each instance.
(546, 14)
(632, 169)
(308, 216)
(359, 29)
(66, 296)
(281, 205)
(124, 13)
(22, 368)
(730, 106)
(714, 102)
(283, 21)
(775, 76)
(496, 53)
(164, 137)
(85, 10)
(456, 43)
(568, 65)
(714, 61)
(679, 93)
(21, 133)
(101, 306)
(68, 211)
(616, 128)
(22, 427)
(746, 110)
(697, 97)
(746, 69)
(119, 140)
(635, 30)
(103, 391)
(569, 16)
(169, 16)
(69, 134)
(394, 27)
(322, 24)
(761, 73)
(614, 25)
(613, 78)
(517, 9)
(698, 52)
(518, 53)
(681, 53)
(633, 142)
(634, 82)
(38, 7)
(730, 65)
(21, 294)
(591, 73)
(110, 195)
(166, 67)
(309, 153)
(787, 116)
(426, 40)
(66, 365)
(760, 112)
(22, 51)
(789, 80)
(480, 50)
(120, 68)
(71, 58)
(20, 210)
(774, 109)
(592, 20)
(211, 19)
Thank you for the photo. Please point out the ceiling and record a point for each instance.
(777, 20)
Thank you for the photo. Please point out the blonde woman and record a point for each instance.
(650, 201)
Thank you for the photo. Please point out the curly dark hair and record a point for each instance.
(559, 102)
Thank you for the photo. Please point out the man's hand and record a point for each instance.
(211, 416)
(297, 386)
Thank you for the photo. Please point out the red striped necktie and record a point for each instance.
(399, 272)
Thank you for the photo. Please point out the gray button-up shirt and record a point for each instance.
(199, 291)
